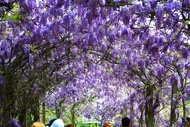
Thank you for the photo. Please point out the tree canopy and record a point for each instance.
(128, 57)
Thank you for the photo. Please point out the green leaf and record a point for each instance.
(5, 17)
(33, 49)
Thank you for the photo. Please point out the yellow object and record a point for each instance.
(38, 124)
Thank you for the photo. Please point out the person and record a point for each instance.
(70, 125)
(126, 122)
(188, 121)
(57, 123)
(50, 122)
(107, 124)
(12, 123)
(38, 124)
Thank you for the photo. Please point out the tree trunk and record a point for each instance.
(73, 114)
(57, 110)
(9, 100)
(173, 104)
(36, 111)
(184, 108)
(131, 108)
(43, 112)
(141, 118)
(6, 117)
(124, 111)
(149, 109)
(22, 117)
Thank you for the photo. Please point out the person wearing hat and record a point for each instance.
(38, 124)
(57, 123)
(50, 122)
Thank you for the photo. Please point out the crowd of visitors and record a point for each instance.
(59, 123)
(125, 122)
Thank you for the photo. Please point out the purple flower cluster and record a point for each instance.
(112, 54)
